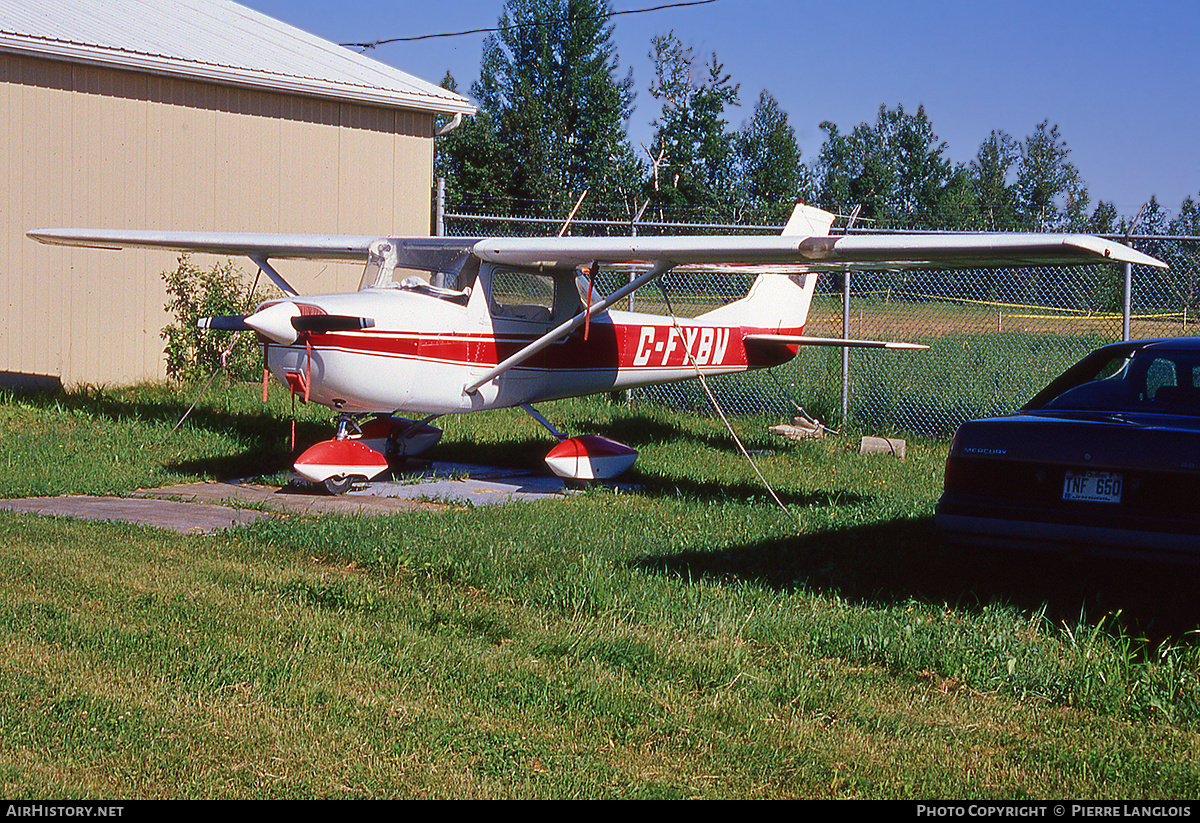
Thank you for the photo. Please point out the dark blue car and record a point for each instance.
(1104, 460)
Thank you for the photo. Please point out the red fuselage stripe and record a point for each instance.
(628, 347)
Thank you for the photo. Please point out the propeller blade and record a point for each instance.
(224, 322)
(320, 323)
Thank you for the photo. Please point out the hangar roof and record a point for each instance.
(213, 40)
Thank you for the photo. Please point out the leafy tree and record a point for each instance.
(895, 170)
(836, 180)
(1183, 258)
(1049, 192)
(552, 112)
(193, 293)
(957, 202)
(924, 173)
(990, 171)
(772, 175)
(1104, 219)
(692, 155)
(1187, 222)
(1152, 219)
(471, 157)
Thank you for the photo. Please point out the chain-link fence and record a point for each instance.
(995, 337)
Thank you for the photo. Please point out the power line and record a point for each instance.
(365, 46)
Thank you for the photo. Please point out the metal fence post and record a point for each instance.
(1126, 298)
(845, 349)
(439, 209)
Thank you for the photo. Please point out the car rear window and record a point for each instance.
(1145, 380)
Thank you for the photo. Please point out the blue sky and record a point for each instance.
(1121, 80)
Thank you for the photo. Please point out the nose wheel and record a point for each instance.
(358, 453)
(340, 485)
(338, 463)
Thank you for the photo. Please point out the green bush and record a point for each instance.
(193, 353)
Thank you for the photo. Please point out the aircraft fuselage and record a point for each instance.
(422, 352)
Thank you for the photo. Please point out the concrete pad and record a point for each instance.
(292, 499)
(423, 484)
(173, 515)
(459, 483)
(207, 507)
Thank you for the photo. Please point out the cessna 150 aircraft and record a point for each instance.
(505, 322)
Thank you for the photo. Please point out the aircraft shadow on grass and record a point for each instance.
(899, 561)
(640, 432)
(643, 432)
(267, 438)
(527, 454)
(265, 433)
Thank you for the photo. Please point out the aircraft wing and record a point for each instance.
(425, 253)
(297, 246)
(821, 253)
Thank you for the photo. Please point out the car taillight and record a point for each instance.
(951, 475)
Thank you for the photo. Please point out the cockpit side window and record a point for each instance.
(533, 295)
(522, 294)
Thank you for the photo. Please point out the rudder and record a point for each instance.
(778, 302)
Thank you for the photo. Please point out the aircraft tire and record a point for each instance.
(339, 485)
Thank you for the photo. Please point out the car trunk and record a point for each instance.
(1023, 461)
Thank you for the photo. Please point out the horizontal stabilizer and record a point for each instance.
(799, 340)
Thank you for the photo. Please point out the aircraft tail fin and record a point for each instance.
(808, 221)
(778, 301)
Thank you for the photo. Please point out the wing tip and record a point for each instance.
(1112, 250)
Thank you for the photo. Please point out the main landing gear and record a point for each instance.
(579, 460)
(358, 453)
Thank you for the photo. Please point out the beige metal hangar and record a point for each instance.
(183, 114)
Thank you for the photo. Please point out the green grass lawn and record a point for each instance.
(682, 638)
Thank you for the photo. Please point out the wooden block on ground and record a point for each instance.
(798, 431)
(882, 445)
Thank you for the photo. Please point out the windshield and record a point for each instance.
(1141, 380)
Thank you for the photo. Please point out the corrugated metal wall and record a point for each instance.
(84, 146)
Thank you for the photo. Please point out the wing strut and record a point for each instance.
(562, 330)
(260, 260)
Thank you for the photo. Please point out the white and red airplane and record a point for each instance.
(504, 322)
